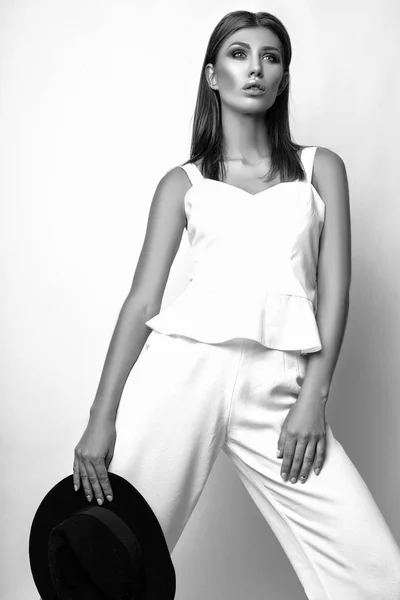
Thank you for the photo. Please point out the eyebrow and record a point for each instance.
(246, 45)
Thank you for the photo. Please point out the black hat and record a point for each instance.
(116, 551)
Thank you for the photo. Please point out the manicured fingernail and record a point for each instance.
(109, 498)
(284, 475)
(88, 497)
(76, 487)
(293, 480)
(317, 471)
(278, 453)
(99, 501)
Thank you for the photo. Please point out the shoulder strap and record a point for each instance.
(307, 158)
(192, 172)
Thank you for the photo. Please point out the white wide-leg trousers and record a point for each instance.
(188, 400)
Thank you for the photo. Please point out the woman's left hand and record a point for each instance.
(302, 437)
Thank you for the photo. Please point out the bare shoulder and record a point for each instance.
(171, 190)
(174, 182)
(329, 172)
(327, 161)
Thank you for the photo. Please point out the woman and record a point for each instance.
(242, 360)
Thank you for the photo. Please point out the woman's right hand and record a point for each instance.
(93, 455)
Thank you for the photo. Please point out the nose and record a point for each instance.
(255, 67)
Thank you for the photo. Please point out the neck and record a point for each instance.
(244, 137)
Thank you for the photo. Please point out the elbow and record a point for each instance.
(150, 310)
(335, 288)
(147, 308)
(341, 295)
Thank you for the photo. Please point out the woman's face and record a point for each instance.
(250, 53)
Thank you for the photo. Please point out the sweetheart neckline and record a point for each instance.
(249, 193)
(277, 185)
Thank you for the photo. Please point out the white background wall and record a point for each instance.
(84, 140)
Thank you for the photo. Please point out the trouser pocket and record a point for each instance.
(292, 361)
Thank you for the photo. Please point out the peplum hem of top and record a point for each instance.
(279, 321)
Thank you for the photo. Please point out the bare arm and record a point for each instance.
(164, 230)
(334, 273)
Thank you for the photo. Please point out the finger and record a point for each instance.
(288, 453)
(75, 476)
(281, 443)
(85, 480)
(94, 482)
(103, 478)
(297, 461)
(308, 460)
(320, 458)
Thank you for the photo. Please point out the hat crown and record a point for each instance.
(124, 542)
(94, 553)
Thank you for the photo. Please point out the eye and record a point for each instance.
(236, 52)
(274, 58)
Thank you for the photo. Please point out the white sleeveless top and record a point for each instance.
(255, 264)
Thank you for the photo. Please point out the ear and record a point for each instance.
(284, 82)
(211, 77)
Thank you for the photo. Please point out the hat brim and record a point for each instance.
(62, 501)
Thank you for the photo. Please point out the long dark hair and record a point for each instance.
(207, 126)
